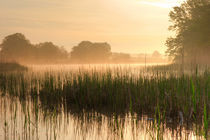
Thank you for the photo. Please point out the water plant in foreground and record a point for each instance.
(161, 95)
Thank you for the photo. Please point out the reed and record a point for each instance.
(205, 119)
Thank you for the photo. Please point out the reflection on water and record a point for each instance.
(27, 120)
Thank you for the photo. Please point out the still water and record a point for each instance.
(20, 121)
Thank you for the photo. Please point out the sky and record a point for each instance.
(130, 26)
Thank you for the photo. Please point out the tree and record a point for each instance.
(16, 47)
(49, 52)
(191, 24)
(88, 52)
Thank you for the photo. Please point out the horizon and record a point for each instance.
(69, 51)
(137, 26)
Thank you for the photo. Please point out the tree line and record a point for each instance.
(17, 47)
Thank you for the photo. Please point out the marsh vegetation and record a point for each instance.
(120, 101)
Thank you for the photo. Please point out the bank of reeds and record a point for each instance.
(114, 91)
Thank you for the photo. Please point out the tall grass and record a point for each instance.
(160, 93)
(112, 91)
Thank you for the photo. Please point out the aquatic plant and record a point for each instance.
(112, 91)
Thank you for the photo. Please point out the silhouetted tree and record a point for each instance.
(48, 52)
(88, 52)
(191, 22)
(16, 47)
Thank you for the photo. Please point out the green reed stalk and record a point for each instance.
(205, 120)
(193, 99)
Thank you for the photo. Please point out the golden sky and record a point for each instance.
(133, 26)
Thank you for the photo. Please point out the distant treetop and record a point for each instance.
(17, 47)
(88, 52)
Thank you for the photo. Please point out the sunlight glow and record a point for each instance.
(161, 3)
(122, 23)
